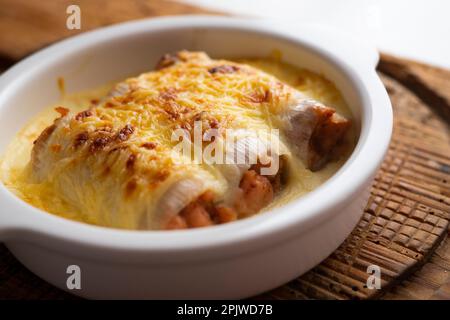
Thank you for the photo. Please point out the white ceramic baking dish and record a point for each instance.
(234, 260)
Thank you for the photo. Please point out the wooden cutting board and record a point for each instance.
(406, 220)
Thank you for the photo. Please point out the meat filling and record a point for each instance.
(255, 192)
(326, 139)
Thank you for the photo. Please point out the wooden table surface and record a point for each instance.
(26, 26)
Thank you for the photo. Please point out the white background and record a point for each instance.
(417, 29)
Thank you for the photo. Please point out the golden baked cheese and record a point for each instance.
(113, 162)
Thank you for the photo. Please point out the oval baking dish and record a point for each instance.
(234, 260)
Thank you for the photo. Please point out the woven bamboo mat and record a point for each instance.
(406, 218)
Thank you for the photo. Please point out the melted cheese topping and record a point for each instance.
(153, 105)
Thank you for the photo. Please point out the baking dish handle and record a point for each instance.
(10, 220)
(349, 47)
(5, 228)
